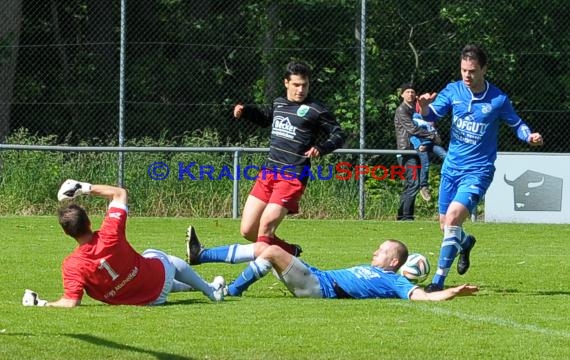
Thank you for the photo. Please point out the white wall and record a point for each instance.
(539, 181)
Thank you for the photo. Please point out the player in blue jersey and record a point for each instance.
(377, 280)
(477, 108)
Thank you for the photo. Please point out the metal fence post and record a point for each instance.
(121, 164)
(235, 190)
(361, 198)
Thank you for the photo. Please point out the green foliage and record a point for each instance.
(187, 63)
(520, 312)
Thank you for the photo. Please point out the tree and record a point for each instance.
(10, 20)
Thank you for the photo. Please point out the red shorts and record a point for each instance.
(273, 188)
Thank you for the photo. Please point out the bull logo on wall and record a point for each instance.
(534, 191)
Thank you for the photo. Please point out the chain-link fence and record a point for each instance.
(187, 63)
(168, 72)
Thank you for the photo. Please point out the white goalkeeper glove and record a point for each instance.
(31, 298)
(72, 188)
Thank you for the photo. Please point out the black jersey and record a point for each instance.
(295, 128)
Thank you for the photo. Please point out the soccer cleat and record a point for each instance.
(463, 262)
(218, 285)
(433, 288)
(193, 247)
(424, 192)
(298, 250)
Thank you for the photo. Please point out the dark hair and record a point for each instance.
(474, 52)
(401, 252)
(297, 68)
(74, 220)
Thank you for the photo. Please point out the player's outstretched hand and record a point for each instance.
(72, 188)
(535, 139)
(31, 298)
(426, 99)
(465, 290)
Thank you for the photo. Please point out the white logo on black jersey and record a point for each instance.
(282, 127)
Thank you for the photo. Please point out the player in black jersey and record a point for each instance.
(296, 121)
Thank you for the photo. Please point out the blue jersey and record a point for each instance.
(419, 121)
(364, 282)
(475, 124)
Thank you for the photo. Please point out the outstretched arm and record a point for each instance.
(462, 290)
(261, 116)
(73, 188)
(31, 298)
(112, 193)
(64, 303)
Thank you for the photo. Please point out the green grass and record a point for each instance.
(521, 311)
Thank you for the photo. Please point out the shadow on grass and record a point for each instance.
(171, 302)
(503, 290)
(549, 293)
(200, 302)
(113, 345)
(532, 293)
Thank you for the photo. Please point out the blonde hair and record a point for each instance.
(400, 252)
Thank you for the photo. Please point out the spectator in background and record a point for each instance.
(425, 147)
(405, 128)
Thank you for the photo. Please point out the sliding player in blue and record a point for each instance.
(379, 280)
(477, 108)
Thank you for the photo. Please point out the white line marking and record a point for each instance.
(489, 320)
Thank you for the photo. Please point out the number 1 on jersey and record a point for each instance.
(105, 265)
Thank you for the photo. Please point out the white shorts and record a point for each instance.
(300, 280)
(169, 272)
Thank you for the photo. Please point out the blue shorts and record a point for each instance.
(466, 188)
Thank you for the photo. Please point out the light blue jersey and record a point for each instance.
(364, 282)
(475, 124)
(422, 124)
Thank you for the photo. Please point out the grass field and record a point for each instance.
(521, 312)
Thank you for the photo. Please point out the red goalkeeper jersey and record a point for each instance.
(109, 269)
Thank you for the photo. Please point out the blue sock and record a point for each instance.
(452, 236)
(231, 254)
(254, 271)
